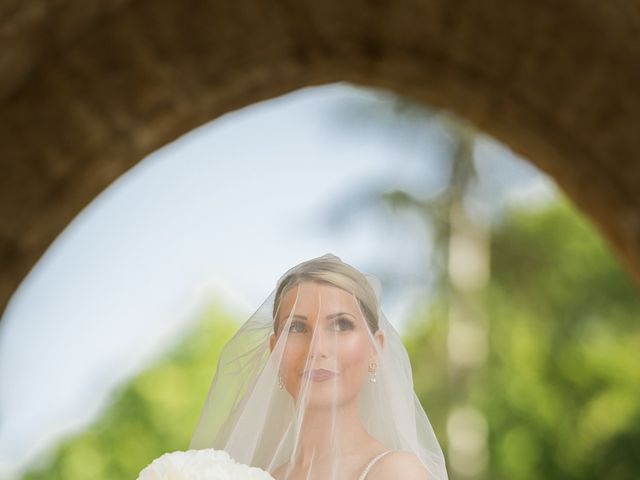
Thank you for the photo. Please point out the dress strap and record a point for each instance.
(372, 463)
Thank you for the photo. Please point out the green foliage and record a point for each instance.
(561, 386)
(560, 390)
(154, 413)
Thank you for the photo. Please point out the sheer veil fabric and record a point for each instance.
(317, 382)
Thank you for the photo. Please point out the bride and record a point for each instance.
(317, 385)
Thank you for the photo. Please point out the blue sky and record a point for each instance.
(222, 212)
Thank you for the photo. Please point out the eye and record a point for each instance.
(343, 324)
(297, 327)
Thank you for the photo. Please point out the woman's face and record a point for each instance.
(327, 346)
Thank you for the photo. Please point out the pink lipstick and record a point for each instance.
(321, 374)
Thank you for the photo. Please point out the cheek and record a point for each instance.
(353, 354)
(294, 359)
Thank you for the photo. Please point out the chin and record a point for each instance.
(327, 399)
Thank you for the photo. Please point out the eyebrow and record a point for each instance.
(330, 316)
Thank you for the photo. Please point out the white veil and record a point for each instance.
(317, 383)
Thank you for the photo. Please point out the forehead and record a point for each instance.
(308, 298)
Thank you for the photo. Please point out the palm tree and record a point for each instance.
(459, 258)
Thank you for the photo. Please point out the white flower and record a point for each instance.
(205, 464)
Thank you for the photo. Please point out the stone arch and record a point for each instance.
(88, 89)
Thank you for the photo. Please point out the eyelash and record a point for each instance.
(294, 324)
(338, 321)
(345, 320)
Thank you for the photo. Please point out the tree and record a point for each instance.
(459, 255)
(560, 390)
(154, 413)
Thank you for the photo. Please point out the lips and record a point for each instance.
(321, 374)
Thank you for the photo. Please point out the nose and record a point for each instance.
(320, 344)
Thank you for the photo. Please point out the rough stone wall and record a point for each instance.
(87, 89)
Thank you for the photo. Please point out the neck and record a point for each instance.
(326, 431)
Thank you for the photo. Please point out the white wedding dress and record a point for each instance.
(372, 463)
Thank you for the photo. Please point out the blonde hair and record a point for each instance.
(330, 270)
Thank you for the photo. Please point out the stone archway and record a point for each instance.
(88, 89)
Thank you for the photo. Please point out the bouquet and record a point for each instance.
(206, 464)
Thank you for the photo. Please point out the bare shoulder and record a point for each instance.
(398, 464)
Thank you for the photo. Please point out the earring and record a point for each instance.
(280, 382)
(372, 369)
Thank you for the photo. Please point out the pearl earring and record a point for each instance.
(372, 368)
(280, 382)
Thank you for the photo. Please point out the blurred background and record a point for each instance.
(521, 327)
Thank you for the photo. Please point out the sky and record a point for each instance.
(220, 213)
